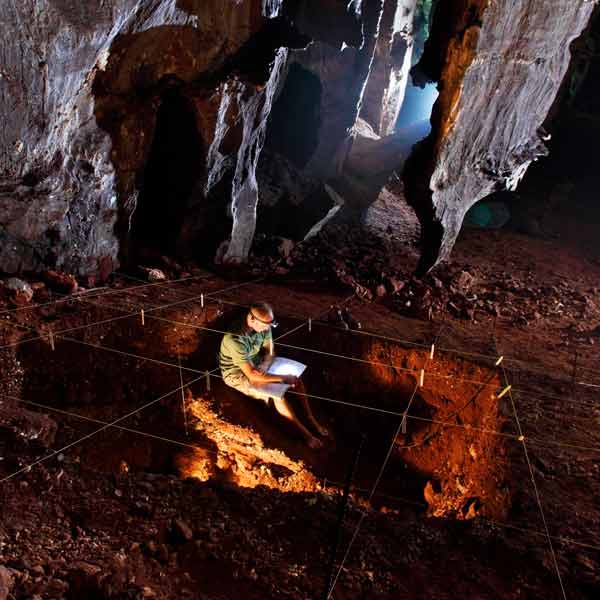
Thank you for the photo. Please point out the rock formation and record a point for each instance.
(389, 73)
(499, 66)
(135, 126)
(81, 91)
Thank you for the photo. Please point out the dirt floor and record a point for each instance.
(207, 494)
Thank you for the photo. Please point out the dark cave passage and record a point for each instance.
(296, 117)
(175, 164)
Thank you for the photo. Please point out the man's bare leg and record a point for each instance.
(301, 390)
(284, 409)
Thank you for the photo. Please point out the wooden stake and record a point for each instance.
(202, 300)
(499, 360)
(51, 339)
(504, 391)
(271, 351)
(422, 378)
(185, 424)
(309, 324)
(207, 381)
(432, 352)
(142, 315)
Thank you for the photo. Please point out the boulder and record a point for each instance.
(61, 282)
(20, 292)
(6, 583)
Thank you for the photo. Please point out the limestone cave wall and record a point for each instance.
(78, 109)
(499, 66)
(138, 125)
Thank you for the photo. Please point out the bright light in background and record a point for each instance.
(413, 121)
(415, 114)
(417, 106)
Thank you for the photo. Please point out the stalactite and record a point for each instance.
(254, 112)
(216, 162)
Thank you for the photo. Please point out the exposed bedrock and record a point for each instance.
(499, 66)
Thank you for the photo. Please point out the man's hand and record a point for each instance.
(289, 379)
(265, 363)
(256, 376)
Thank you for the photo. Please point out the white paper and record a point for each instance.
(279, 366)
(286, 366)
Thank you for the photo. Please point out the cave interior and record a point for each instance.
(403, 194)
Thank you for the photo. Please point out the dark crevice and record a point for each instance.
(30, 179)
(175, 164)
(296, 117)
(207, 223)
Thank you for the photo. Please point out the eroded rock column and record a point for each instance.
(254, 112)
(389, 74)
(499, 66)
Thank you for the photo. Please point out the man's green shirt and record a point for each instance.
(241, 345)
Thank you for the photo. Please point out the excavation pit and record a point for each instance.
(450, 460)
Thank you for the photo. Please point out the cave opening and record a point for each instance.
(174, 167)
(413, 119)
(416, 110)
(296, 117)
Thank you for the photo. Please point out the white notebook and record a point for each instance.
(279, 366)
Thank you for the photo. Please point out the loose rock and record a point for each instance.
(20, 291)
(6, 582)
(60, 282)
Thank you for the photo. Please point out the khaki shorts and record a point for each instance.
(238, 381)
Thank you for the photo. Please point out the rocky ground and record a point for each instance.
(239, 505)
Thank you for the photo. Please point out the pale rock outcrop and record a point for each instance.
(389, 73)
(499, 65)
(76, 128)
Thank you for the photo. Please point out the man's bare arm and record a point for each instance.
(266, 362)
